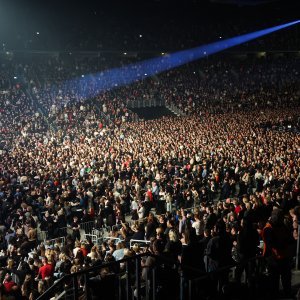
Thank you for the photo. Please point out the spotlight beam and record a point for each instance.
(117, 77)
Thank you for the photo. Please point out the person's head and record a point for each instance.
(136, 248)
(235, 202)
(7, 277)
(62, 256)
(150, 217)
(111, 245)
(170, 223)
(295, 212)
(44, 260)
(277, 217)
(248, 205)
(93, 255)
(120, 245)
(292, 212)
(173, 236)
(207, 232)
(245, 200)
(76, 262)
(158, 247)
(209, 209)
(196, 217)
(41, 287)
(10, 263)
(128, 252)
(232, 217)
(161, 219)
(28, 277)
(220, 227)
(234, 230)
(189, 235)
(104, 246)
(159, 231)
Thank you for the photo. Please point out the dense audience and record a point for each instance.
(218, 182)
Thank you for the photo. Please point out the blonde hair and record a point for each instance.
(128, 252)
(173, 236)
(93, 255)
(41, 287)
(10, 263)
(62, 256)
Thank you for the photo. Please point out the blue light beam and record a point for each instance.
(117, 77)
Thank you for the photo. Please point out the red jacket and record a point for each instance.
(46, 271)
(8, 285)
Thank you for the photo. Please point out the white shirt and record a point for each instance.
(134, 205)
(75, 250)
(198, 227)
(141, 212)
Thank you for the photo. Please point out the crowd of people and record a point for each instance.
(218, 182)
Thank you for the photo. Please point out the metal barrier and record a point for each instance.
(42, 235)
(139, 242)
(163, 281)
(212, 284)
(63, 231)
(87, 226)
(141, 103)
(98, 236)
(139, 221)
(175, 109)
(109, 238)
(101, 233)
(59, 232)
(52, 242)
(94, 238)
(107, 228)
(98, 232)
(90, 228)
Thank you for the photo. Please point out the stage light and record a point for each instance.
(132, 72)
(15, 77)
(37, 33)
